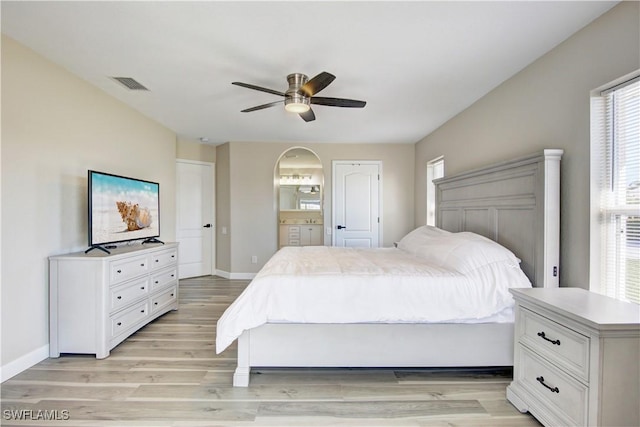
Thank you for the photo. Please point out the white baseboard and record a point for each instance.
(222, 273)
(235, 276)
(13, 368)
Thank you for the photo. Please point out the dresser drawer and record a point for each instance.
(553, 388)
(126, 319)
(164, 259)
(164, 299)
(124, 295)
(163, 278)
(294, 232)
(561, 345)
(128, 268)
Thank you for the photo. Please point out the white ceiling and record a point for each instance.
(417, 64)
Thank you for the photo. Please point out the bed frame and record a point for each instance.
(516, 203)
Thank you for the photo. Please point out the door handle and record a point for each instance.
(207, 226)
(340, 227)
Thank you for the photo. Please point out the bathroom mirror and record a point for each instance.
(300, 197)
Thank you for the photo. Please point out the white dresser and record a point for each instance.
(577, 358)
(96, 300)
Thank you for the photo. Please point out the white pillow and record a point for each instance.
(463, 252)
(419, 237)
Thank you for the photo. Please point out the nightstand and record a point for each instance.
(576, 358)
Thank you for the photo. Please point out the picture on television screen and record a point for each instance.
(122, 209)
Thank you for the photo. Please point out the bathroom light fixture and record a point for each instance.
(295, 179)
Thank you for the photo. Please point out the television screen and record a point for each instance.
(122, 209)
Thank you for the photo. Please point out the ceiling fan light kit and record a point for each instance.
(294, 106)
(300, 95)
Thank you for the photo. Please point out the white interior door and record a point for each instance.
(195, 218)
(356, 203)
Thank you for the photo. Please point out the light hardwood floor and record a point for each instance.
(167, 374)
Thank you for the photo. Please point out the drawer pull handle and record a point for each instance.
(119, 271)
(119, 297)
(544, 337)
(155, 303)
(171, 294)
(119, 323)
(142, 287)
(540, 379)
(173, 256)
(157, 260)
(156, 282)
(142, 265)
(141, 311)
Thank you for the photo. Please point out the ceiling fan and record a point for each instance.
(301, 94)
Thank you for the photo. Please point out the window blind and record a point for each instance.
(619, 187)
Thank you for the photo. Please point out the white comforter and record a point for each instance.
(319, 284)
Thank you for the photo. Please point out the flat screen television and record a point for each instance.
(122, 209)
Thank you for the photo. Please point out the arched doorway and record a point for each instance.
(299, 188)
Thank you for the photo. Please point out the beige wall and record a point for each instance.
(195, 150)
(55, 127)
(252, 220)
(546, 105)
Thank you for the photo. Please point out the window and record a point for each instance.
(616, 162)
(435, 170)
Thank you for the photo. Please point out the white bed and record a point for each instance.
(351, 307)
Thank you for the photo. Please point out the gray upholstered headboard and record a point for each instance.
(516, 203)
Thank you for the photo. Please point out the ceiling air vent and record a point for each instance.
(130, 83)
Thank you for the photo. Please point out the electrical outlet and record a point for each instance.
(254, 259)
(224, 230)
(328, 231)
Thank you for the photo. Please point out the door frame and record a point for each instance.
(333, 197)
(213, 206)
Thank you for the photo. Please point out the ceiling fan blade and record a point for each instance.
(316, 84)
(261, 107)
(338, 102)
(308, 116)
(261, 89)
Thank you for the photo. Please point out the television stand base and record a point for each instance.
(102, 248)
(152, 240)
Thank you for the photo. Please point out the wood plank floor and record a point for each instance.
(167, 374)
